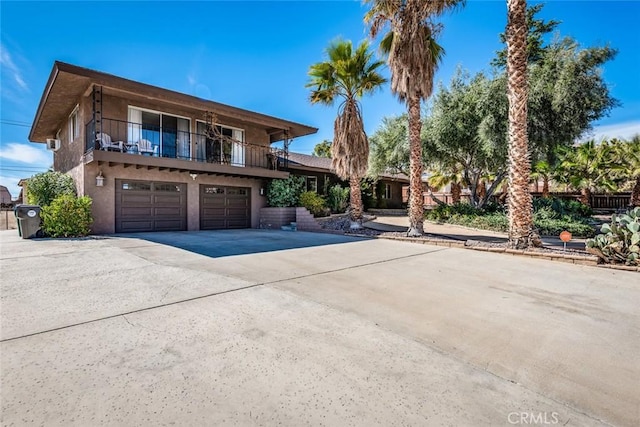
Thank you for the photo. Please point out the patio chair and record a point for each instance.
(144, 147)
(107, 144)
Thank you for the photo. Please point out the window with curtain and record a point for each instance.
(169, 135)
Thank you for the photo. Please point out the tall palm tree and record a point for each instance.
(413, 57)
(626, 154)
(347, 75)
(520, 206)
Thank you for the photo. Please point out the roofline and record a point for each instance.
(94, 75)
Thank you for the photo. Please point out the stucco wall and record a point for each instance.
(104, 197)
(70, 153)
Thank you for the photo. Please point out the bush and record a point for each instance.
(44, 187)
(67, 216)
(285, 193)
(314, 203)
(619, 241)
(563, 207)
(338, 198)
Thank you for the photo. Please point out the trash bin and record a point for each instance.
(28, 217)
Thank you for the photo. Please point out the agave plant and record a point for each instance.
(620, 241)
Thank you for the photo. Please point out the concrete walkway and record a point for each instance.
(258, 327)
(401, 223)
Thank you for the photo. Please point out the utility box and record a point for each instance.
(28, 217)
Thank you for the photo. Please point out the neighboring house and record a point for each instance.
(148, 158)
(5, 197)
(319, 178)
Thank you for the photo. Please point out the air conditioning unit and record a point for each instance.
(53, 144)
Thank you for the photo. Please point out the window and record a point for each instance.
(387, 191)
(228, 149)
(312, 184)
(169, 135)
(74, 125)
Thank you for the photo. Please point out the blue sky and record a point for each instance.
(255, 55)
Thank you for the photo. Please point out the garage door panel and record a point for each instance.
(148, 206)
(224, 207)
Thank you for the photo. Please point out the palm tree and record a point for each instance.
(347, 75)
(627, 156)
(520, 206)
(542, 169)
(445, 175)
(587, 167)
(413, 57)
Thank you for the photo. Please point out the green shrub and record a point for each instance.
(285, 193)
(314, 203)
(44, 187)
(338, 198)
(563, 207)
(67, 216)
(619, 241)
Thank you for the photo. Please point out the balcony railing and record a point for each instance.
(145, 140)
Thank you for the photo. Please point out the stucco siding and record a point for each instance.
(104, 197)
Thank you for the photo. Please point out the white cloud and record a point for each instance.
(26, 153)
(7, 62)
(624, 130)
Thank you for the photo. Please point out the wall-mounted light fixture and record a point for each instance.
(100, 179)
(193, 176)
(262, 191)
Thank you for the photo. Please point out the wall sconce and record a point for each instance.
(262, 191)
(193, 176)
(100, 180)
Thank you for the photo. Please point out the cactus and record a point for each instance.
(619, 242)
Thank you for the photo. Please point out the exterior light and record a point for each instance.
(193, 176)
(100, 180)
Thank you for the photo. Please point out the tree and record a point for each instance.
(453, 141)
(45, 187)
(626, 154)
(322, 149)
(520, 206)
(390, 147)
(587, 167)
(347, 75)
(413, 57)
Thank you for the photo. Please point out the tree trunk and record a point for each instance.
(635, 193)
(520, 208)
(545, 187)
(456, 192)
(416, 199)
(356, 202)
(482, 190)
(585, 196)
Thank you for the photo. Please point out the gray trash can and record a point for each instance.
(28, 217)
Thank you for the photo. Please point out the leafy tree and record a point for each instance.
(44, 187)
(626, 155)
(284, 193)
(347, 75)
(322, 149)
(390, 147)
(413, 56)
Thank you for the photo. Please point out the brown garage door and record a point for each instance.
(150, 206)
(224, 207)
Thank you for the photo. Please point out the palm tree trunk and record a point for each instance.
(456, 192)
(416, 199)
(545, 187)
(520, 209)
(635, 193)
(585, 196)
(356, 202)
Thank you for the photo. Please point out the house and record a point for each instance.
(319, 178)
(5, 197)
(157, 160)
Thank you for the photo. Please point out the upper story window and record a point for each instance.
(228, 148)
(165, 134)
(74, 125)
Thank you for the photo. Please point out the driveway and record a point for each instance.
(268, 327)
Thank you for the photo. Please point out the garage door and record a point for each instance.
(224, 207)
(150, 206)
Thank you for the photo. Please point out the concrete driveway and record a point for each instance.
(261, 327)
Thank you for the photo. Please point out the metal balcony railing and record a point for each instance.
(141, 139)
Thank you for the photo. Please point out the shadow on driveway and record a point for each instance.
(222, 243)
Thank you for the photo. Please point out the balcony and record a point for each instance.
(127, 143)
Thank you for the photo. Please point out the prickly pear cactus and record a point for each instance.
(619, 242)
